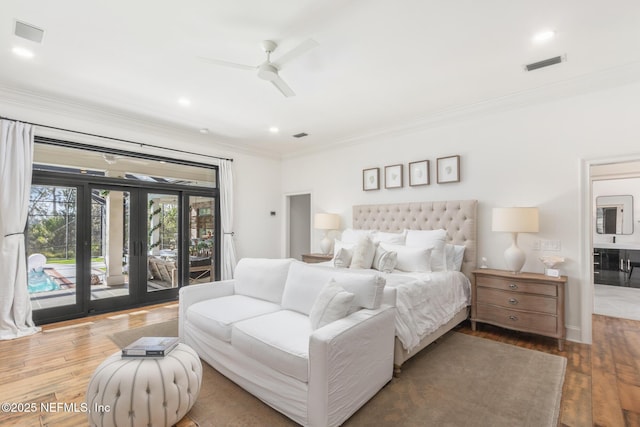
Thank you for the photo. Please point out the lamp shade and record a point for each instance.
(326, 221)
(515, 220)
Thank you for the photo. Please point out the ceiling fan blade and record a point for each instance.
(301, 49)
(283, 87)
(228, 64)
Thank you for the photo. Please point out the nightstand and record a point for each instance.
(314, 258)
(528, 302)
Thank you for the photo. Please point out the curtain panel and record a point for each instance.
(16, 158)
(229, 259)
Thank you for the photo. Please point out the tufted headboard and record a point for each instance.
(458, 217)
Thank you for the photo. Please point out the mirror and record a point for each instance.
(614, 214)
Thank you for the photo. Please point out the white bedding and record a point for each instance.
(425, 301)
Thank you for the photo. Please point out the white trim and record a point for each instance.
(285, 250)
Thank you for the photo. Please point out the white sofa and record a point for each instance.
(256, 330)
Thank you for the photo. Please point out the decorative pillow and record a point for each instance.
(305, 281)
(411, 259)
(353, 236)
(392, 238)
(455, 255)
(430, 239)
(384, 260)
(339, 244)
(363, 253)
(342, 258)
(332, 304)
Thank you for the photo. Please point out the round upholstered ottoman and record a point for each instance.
(144, 391)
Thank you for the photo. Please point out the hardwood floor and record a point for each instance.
(601, 388)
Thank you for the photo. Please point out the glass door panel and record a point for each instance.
(162, 242)
(51, 246)
(110, 243)
(201, 239)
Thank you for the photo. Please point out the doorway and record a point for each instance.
(298, 236)
(615, 249)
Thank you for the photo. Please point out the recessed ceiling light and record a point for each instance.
(204, 131)
(184, 102)
(543, 36)
(274, 129)
(20, 51)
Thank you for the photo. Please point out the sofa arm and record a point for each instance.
(350, 360)
(189, 295)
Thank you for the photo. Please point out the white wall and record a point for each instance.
(527, 156)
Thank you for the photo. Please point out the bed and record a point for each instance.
(458, 218)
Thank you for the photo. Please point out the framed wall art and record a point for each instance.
(419, 173)
(448, 169)
(371, 179)
(393, 176)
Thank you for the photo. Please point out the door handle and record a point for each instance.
(621, 264)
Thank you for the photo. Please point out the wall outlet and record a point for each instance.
(551, 245)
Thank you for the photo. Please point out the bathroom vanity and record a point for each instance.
(617, 264)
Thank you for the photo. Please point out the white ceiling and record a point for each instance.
(379, 65)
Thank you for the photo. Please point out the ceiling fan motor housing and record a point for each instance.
(267, 72)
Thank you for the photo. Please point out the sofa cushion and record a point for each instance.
(279, 340)
(261, 278)
(332, 304)
(217, 315)
(305, 281)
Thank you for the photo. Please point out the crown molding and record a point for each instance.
(159, 132)
(580, 85)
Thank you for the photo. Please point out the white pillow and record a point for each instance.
(304, 282)
(262, 278)
(411, 259)
(332, 304)
(339, 244)
(342, 258)
(353, 236)
(384, 260)
(393, 238)
(430, 239)
(455, 255)
(363, 253)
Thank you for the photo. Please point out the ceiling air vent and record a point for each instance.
(28, 31)
(545, 63)
(300, 135)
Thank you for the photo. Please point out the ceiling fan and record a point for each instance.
(269, 70)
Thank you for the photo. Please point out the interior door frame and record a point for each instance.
(285, 245)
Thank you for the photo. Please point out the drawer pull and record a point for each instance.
(514, 318)
(513, 286)
(513, 301)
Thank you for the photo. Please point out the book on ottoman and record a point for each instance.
(150, 347)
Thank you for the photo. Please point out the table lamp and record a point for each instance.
(514, 221)
(326, 222)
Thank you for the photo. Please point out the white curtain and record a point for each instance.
(226, 213)
(16, 155)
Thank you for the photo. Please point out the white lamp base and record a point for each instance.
(514, 256)
(325, 244)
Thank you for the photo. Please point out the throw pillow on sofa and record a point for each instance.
(332, 303)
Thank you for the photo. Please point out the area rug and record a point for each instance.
(460, 380)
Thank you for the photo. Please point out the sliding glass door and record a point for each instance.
(99, 246)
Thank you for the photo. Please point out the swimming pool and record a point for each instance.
(39, 281)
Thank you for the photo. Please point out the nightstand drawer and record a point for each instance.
(522, 321)
(517, 285)
(517, 300)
